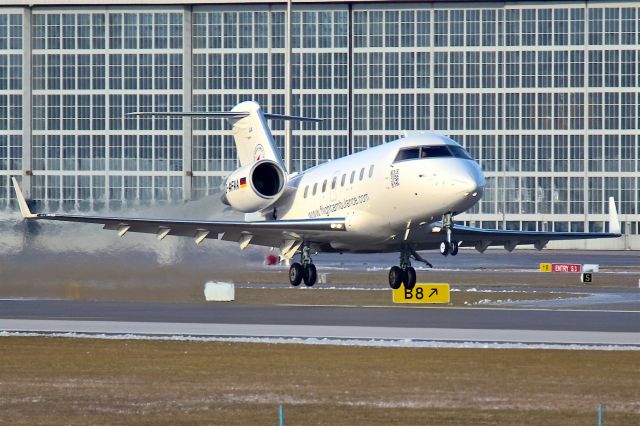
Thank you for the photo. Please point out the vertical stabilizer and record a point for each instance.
(252, 135)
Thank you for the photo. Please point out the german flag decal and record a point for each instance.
(243, 182)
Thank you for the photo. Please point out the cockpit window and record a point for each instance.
(459, 152)
(433, 151)
(408, 154)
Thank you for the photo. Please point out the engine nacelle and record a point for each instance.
(255, 186)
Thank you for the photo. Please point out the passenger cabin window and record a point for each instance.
(324, 185)
(333, 182)
(344, 179)
(371, 171)
(315, 187)
(306, 191)
(353, 176)
(362, 173)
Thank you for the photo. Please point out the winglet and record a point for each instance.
(24, 208)
(614, 222)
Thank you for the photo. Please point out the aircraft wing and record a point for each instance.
(481, 238)
(270, 233)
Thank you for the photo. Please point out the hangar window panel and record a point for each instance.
(576, 153)
(528, 27)
(611, 153)
(441, 28)
(560, 111)
(577, 26)
(611, 110)
(130, 33)
(628, 68)
(595, 110)
(595, 153)
(512, 17)
(456, 27)
(560, 69)
(391, 27)
(528, 68)
(472, 28)
(560, 27)
(456, 70)
(472, 70)
(489, 27)
(628, 203)
(627, 111)
(423, 27)
(407, 28)
(513, 69)
(577, 68)
(627, 153)
(510, 201)
(544, 27)
(576, 111)
(512, 153)
(612, 25)
(595, 26)
(98, 30)
(543, 195)
(611, 68)
(545, 119)
(628, 26)
(441, 111)
(528, 151)
(560, 153)
(175, 30)
(472, 111)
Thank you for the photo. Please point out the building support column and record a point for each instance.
(187, 102)
(287, 88)
(26, 104)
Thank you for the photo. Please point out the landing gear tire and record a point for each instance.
(410, 278)
(444, 248)
(395, 277)
(454, 248)
(296, 272)
(310, 274)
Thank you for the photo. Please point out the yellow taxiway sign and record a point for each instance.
(423, 293)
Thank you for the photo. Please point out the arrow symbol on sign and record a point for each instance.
(434, 291)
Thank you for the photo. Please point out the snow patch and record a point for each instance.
(394, 343)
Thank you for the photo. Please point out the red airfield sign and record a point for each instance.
(566, 267)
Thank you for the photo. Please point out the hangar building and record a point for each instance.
(545, 95)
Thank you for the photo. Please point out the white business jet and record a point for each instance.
(397, 197)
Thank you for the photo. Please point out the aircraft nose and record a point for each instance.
(470, 182)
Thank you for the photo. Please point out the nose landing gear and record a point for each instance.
(303, 271)
(449, 245)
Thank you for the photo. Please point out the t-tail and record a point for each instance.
(262, 177)
(253, 138)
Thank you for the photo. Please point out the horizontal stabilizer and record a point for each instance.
(221, 114)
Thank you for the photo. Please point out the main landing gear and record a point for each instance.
(405, 273)
(303, 271)
(449, 245)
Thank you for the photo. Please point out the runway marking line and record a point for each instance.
(459, 307)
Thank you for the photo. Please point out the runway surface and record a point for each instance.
(529, 326)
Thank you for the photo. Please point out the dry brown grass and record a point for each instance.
(74, 381)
